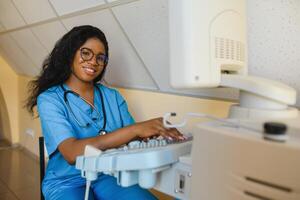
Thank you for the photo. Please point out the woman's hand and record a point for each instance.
(155, 127)
(72, 147)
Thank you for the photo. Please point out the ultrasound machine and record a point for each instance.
(254, 154)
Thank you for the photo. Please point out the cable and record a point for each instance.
(202, 115)
(90, 175)
(87, 190)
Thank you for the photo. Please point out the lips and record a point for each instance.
(89, 70)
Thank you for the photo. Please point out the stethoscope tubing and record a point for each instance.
(66, 92)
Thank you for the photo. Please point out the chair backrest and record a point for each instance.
(43, 157)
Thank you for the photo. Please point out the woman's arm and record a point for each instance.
(72, 147)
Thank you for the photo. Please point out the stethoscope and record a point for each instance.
(102, 131)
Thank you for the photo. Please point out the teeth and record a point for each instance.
(89, 69)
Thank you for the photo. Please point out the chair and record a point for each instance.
(42, 163)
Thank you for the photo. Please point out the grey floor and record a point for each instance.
(19, 174)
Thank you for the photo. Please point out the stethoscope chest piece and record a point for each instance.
(102, 132)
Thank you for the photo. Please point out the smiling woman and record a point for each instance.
(76, 110)
(88, 65)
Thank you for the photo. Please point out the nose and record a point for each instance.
(93, 61)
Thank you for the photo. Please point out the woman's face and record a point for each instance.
(89, 61)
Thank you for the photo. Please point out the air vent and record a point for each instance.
(256, 196)
(229, 49)
(265, 196)
(268, 184)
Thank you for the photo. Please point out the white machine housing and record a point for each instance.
(239, 164)
(208, 48)
(206, 37)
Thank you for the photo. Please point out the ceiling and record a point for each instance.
(137, 32)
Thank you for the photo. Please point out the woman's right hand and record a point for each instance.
(155, 127)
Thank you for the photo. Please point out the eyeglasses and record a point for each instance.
(87, 54)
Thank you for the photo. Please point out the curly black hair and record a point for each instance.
(56, 68)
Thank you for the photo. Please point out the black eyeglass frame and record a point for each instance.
(93, 54)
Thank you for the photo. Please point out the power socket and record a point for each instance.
(30, 132)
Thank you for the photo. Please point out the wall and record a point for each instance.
(274, 42)
(9, 89)
(145, 105)
(4, 126)
(27, 123)
(1, 110)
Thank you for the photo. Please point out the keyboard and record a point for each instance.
(137, 162)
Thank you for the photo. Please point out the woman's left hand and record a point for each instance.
(155, 127)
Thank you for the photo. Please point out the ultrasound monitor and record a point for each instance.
(208, 49)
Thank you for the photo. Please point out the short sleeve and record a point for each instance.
(126, 117)
(55, 124)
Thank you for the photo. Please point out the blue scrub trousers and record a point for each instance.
(104, 188)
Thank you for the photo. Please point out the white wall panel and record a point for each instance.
(30, 45)
(274, 40)
(125, 68)
(11, 52)
(34, 10)
(9, 16)
(8, 58)
(146, 24)
(69, 6)
(49, 33)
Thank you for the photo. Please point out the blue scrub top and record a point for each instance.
(58, 124)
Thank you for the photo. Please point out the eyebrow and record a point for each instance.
(100, 53)
(103, 54)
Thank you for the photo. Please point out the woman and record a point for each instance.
(75, 110)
